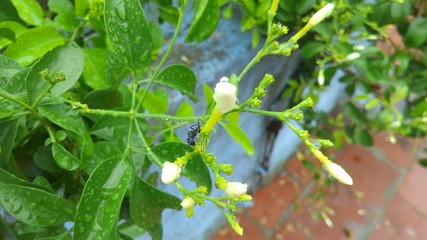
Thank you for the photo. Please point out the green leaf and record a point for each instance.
(34, 206)
(354, 113)
(8, 131)
(63, 236)
(210, 103)
(115, 70)
(184, 110)
(155, 104)
(8, 34)
(103, 150)
(7, 178)
(67, 59)
(180, 78)
(240, 137)
(30, 11)
(423, 162)
(43, 39)
(66, 17)
(94, 73)
(364, 137)
(311, 49)
(68, 119)
(128, 30)
(195, 170)
(206, 18)
(63, 158)
(100, 204)
(147, 204)
(8, 68)
(43, 158)
(103, 99)
(416, 34)
(17, 29)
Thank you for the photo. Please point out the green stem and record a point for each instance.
(150, 153)
(262, 112)
(12, 98)
(167, 53)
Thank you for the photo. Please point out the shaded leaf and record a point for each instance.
(147, 204)
(102, 196)
(63, 158)
(66, 17)
(8, 131)
(354, 113)
(364, 137)
(103, 99)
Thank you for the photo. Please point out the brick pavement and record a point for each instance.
(386, 202)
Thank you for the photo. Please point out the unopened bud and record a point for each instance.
(320, 15)
(338, 173)
(225, 95)
(170, 172)
(235, 189)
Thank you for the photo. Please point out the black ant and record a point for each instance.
(192, 134)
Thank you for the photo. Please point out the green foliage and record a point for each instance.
(86, 123)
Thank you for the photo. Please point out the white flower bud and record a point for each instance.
(320, 15)
(338, 173)
(235, 189)
(225, 95)
(188, 203)
(352, 56)
(170, 172)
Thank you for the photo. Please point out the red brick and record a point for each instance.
(413, 188)
(399, 153)
(271, 201)
(401, 222)
(289, 231)
(250, 232)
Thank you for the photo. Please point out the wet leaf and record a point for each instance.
(66, 60)
(128, 30)
(101, 200)
(181, 78)
(205, 21)
(34, 206)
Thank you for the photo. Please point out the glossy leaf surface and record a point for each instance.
(63, 158)
(128, 30)
(34, 206)
(67, 60)
(206, 18)
(43, 39)
(101, 200)
(180, 78)
(239, 136)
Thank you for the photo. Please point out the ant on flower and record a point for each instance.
(192, 134)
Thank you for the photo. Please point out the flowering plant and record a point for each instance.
(84, 131)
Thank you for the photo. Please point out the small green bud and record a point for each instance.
(189, 212)
(255, 102)
(180, 161)
(202, 189)
(45, 74)
(226, 168)
(59, 77)
(298, 115)
(221, 183)
(209, 158)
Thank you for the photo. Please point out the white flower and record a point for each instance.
(170, 172)
(188, 203)
(235, 189)
(321, 77)
(338, 173)
(225, 95)
(320, 15)
(352, 56)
